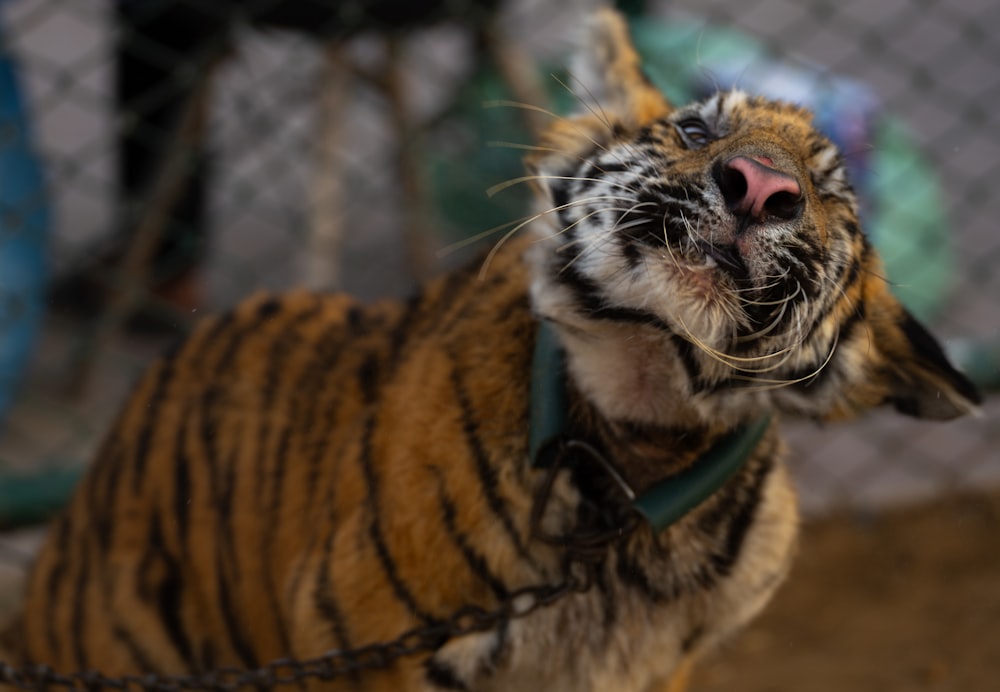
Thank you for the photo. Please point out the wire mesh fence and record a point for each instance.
(194, 152)
(160, 159)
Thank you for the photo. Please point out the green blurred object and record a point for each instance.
(978, 359)
(32, 499)
(908, 222)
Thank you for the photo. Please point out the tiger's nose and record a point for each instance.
(752, 187)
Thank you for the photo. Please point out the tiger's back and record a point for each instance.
(239, 493)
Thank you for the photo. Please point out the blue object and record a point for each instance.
(24, 224)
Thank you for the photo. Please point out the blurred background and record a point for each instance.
(160, 159)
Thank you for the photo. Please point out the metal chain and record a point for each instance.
(584, 551)
(332, 664)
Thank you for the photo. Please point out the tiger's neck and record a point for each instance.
(632, 372)
(629, 365)
(628, 372)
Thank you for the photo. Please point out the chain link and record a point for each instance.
(332, 664)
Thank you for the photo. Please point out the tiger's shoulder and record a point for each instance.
(310, 336)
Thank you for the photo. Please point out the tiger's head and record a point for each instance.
(713, 252)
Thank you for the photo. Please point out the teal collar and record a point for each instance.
(665, 502)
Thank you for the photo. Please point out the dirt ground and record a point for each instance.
(907, 600)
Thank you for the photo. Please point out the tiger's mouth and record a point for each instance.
(725, 257)
(667, 227)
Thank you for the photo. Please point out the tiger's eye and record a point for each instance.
(695, 131)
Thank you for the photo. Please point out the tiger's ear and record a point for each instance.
(614, 96)
(606, 74)
(922, 382)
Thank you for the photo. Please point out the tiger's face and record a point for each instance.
(730, 219)
(728, 225)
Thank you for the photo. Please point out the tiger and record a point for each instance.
(307, 473)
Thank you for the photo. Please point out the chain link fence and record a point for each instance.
(191, 157)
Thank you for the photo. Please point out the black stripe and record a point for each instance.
(447, 307)
(142, 659)
(631, 252)
(151, 422)
(61, 538)
(475, 561)
(560, 198)
(853, 274)
(368, 377)
(485, 471)
(401, 331)
(208, 427)
(723, 502)
(399, 588)
(274, 365)
(686, 353)
(810, 376)
(182, 483)
(516, 314)
(227, 567)
(226, 488)
(323, 598)
(692, 638)
(78, 623)
(323, 595)
(327, 355)
(269, 308)
(169, 599)
(148, 427)
(462, 312)
(591, 302)
(208, 431)
(599, 169)
(227, 540)
(237, 331)
(321, 367)
(443, 676)
(228, 612)
(207, 654)
(609, 602)
(742, 516)
(587, 294)
(632, 574)
(818, 146)
(272, 368)
(630, 316)
(661, 192)
(103, 483)
(650, 136)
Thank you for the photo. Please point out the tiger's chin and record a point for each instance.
(702, 279)
(699, 301)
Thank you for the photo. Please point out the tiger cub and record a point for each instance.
(305, 473)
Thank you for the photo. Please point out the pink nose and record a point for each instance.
(751, 187)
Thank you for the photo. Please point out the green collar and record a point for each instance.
(668, 500)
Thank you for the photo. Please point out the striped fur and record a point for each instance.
(306, 473)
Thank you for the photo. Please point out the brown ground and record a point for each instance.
(905, 601)
(909, 600)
